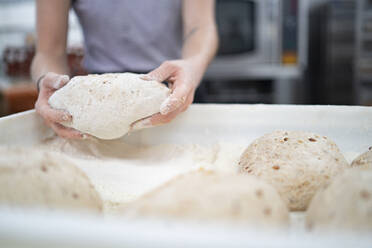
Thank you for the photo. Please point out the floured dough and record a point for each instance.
(214, 196)
(296, 163)
(345, 204)
(106, 105)
(364, 161)
(30, 177)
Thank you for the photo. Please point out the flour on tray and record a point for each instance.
(122, 172)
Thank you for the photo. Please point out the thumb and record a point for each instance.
(141, 124)
(53, 81)
(175, 100)
(160, 74)
(61, 81)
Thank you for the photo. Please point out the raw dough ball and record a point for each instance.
(106, 105)
(364, 161)
(345, 204)
(30, 177)
(214, 196)
(296, 163)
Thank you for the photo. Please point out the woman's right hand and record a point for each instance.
(52, 117)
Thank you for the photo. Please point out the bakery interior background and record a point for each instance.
(271, 51)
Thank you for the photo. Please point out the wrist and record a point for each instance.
(198, 68)
(197, 61)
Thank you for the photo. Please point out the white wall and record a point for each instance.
(18, 18)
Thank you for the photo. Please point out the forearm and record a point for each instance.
(200, 45)
(200, 36)
(44, 63)
(51, 25)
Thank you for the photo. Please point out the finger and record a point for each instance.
(141, 124)
(162, 73)
(159, 119)
(185, 106)
(54, 81)
(47, 112)
(62, 81)
(172, 79)
(175, 100)
(66, 132)
(154, 120)
(43, 108)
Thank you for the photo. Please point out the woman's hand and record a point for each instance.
(183, 78)
(52, 117)
(200, 41)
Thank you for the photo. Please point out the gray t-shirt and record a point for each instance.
(129, 35)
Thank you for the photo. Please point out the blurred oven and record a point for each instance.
(257, 37)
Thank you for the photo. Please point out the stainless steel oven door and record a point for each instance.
(261, 19)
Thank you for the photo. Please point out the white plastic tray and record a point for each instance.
(349, 127)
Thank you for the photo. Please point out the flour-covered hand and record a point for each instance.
(53, 117)
(183, 78)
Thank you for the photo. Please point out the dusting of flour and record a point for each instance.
(106, 105)
(122, 172)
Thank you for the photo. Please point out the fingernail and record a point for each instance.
(169, 105)
(146, 77)
(146, 123)
(165, 107)
(165, 110)
(60, 81)
(66, 117)
(84, 136)
(65, 78)
(57, 84)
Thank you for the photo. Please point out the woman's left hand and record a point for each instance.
(183, 77)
